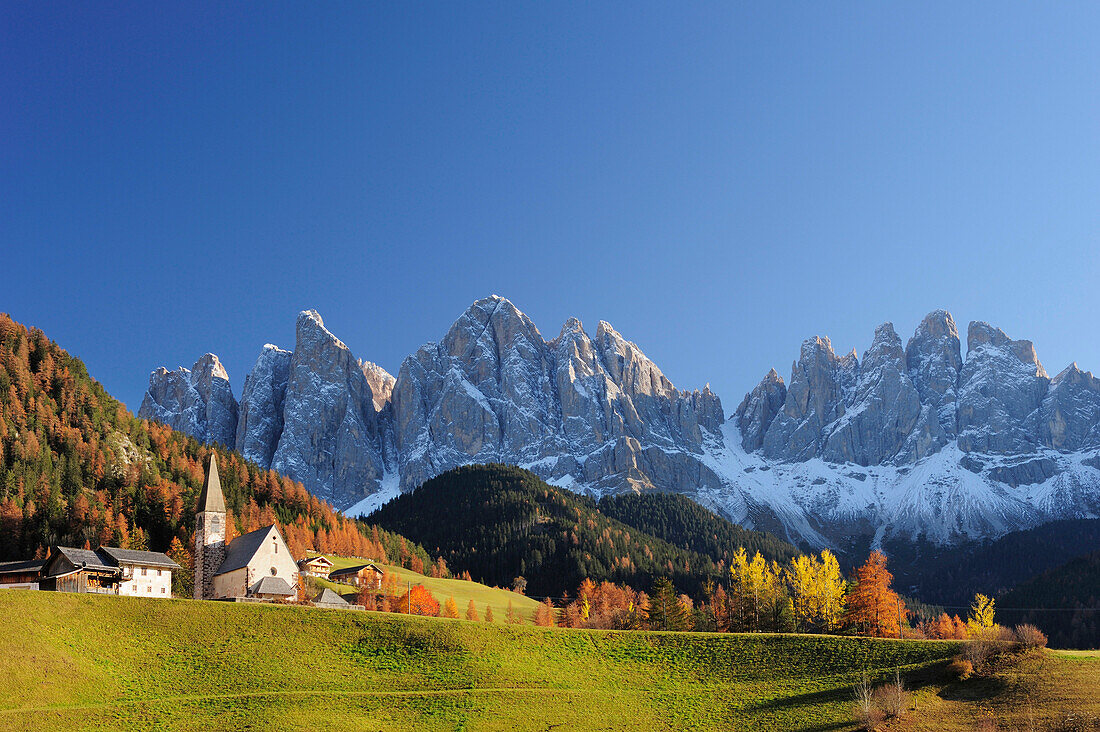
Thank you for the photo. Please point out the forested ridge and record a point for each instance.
(77, 468)
(499, 522)
(684, 523)
(950, 575)
(1069, 596)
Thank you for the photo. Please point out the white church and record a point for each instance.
(254, 566)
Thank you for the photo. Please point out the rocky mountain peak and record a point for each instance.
(261, 410)
(759, 407)
(381, 383)
(1001, 387)
(198, 401)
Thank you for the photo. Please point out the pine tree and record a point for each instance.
(471, 612)
(665, 611)
(450, 608)
(488, 613)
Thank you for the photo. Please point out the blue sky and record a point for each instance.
(719, 181)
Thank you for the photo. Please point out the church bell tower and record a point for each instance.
(209, 532)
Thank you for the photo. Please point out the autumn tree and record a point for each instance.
(757, 593)
(450, 608)
(982, 615)
(471, 612)
(417, 601)
(873, 608)
(183, 579)
(544, 614)
(512, 616)
(817, 590)
(488, 613)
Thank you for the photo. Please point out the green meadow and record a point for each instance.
(75, 662)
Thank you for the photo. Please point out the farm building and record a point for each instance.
(256, 565)
(361, 575)
(108, 571)
(21, 575)
(318, 566)
(144, 574)
(328, 598)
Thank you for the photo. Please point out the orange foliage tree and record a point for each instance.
(417, 601)
(873, 608)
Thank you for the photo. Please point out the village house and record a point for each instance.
(361, 575)
(108, 571)
(254, 566)
(21, 575)
(318, 566)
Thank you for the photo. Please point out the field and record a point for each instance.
(98, 662)
(76, 662)
(461, 590)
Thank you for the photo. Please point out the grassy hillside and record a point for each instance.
(77, 662)
(499, 522)
(461, 590)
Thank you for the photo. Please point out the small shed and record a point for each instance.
(21, 575)
(361, 575)
(80, 570)
(328, 598)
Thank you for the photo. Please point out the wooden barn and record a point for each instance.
(80, 570)
(361, 575)
(22, 575)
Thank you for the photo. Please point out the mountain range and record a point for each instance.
(909, 441)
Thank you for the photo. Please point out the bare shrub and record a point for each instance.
(987, 724)
(867, 713)
(979, 652)
(1030, 638)
(892, 698)
(961, 669)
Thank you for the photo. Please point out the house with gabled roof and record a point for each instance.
(318, 566)
(108, 571)
(256, 565)
(361, 575)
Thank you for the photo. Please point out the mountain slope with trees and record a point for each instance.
(684, 523)
(77, 468)
(499, 522)
(951, 575)
(1069, 596)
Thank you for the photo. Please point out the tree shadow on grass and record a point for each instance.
(915, 680)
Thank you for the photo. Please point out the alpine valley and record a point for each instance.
(911, 441)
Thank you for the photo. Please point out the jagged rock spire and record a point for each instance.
(211, 499)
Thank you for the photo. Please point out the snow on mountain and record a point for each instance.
(905, 442)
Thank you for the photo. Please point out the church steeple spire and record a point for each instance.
(209, 532)
(211, 498)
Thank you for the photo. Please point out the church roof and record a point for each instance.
(241, 550)
(211, 498)
(269, 585)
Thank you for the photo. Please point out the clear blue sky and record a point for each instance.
(719, 181)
